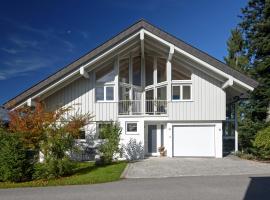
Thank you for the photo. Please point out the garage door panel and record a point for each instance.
(194, 141)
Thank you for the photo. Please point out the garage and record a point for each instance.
(194, 141)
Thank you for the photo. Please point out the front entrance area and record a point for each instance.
(183, 139)
(154, 138)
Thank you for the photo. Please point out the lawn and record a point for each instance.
(84, 173)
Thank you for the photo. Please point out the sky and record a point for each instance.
(37, 38)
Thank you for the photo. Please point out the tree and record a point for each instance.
(236, 51)
(52, 133)
(110, 133)
(254, 29)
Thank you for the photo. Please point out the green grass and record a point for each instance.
(84, 173)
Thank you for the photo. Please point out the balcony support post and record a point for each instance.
(169, 73)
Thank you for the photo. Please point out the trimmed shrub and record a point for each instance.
(262, 143)
(15, 165)
(53, 168)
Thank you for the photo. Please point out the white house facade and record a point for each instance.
(162, 91)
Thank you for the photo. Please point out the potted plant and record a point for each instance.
(162, 151)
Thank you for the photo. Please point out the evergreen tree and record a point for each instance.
(256, 28)
(236, 51)
(250, 43)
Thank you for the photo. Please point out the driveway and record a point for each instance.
(177, 167)
(199, 187)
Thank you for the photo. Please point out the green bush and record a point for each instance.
(55, 147)
(262, 143)
(110, 146)
(15, 165)
(53, 168)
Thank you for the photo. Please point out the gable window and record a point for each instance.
(181, 92)
(124, 70)
(161, 70)
(136, 74)
(104, 90)
(106, 74)
(149, 70)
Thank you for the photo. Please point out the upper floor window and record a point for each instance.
(179, 72)
(104, 90)
(161, 70)
(181, 92)
(124, 70)
(149, 70)
(104, 93)
(136, 73)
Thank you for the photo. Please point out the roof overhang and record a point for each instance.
(139, 31)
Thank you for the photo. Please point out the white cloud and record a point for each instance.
(10, 50)
(22, 66)
(22, 43)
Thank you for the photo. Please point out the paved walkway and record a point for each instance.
(177, 167)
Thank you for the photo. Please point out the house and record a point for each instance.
(161, 90)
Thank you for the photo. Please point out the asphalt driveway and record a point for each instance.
(178, 167)
(199, 187)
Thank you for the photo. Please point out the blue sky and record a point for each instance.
(38, 38)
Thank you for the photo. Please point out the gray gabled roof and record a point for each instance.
(142, 24)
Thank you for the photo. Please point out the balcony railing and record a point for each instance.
(139, 107)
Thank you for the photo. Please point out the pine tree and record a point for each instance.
(236, 51)
(250, 43)
(256, 28)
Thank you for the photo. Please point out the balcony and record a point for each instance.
(139, 107)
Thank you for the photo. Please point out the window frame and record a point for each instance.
(181, 92)
(131, 132)
(105, 86)
(82, 139)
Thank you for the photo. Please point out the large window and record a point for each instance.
(161, 70)
(104, 90)
(149, 70)
(136, 74)
(162, 93)
(106, 74)
(124, 70)
(181, 92)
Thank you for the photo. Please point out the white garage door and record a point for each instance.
(194, 141)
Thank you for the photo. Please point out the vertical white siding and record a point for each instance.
(80, 95)
(208, 101)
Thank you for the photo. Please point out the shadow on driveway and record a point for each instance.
(258, 188)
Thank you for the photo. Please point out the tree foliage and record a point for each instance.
(236, 51)
(111, 138)
(250, 42)
(52, 133)
(15, 163)
(262, 143)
